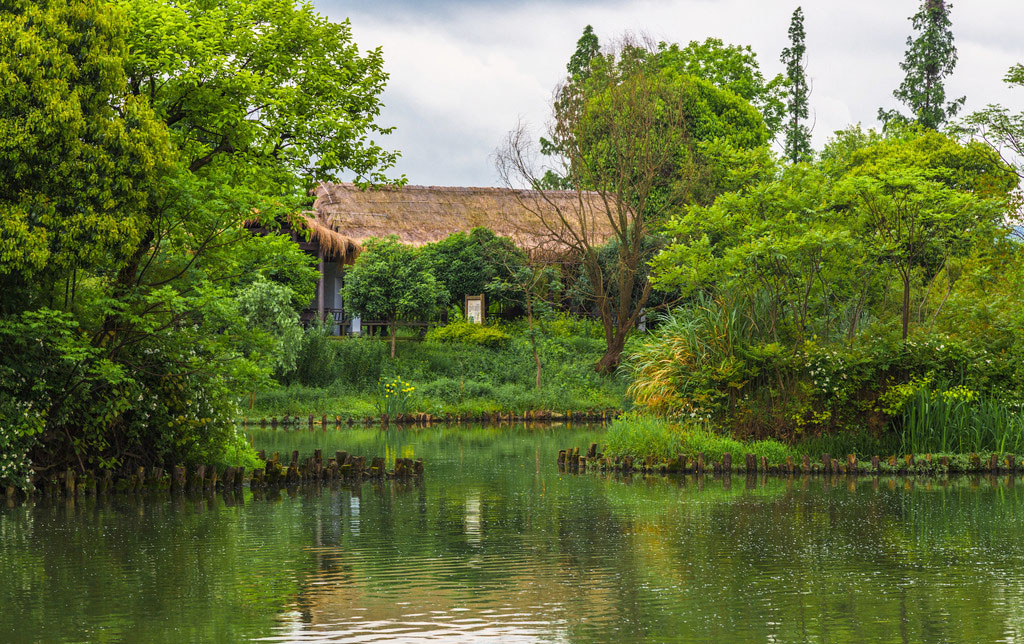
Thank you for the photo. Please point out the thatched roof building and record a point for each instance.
(344, 216)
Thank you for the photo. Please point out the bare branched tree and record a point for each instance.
(623, 149)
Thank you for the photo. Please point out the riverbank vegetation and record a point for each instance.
(458, 368)
(131, 161)
(866, 296)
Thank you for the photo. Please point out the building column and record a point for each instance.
(320, 287)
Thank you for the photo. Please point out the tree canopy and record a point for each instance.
(138, 138)
(391, 281)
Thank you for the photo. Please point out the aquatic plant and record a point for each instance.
(393, 397)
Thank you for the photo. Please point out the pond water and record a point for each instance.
(496, 546)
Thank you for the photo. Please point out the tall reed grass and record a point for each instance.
(953, 422)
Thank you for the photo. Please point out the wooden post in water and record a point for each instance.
(851, 463)
(876, 465)
(750, 464)
(726, 463)
(805, 464)
(764, 464)
(69, 482)
(826, 462)
(700, 463)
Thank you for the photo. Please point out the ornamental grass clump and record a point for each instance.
(393, 397)
(643, 437)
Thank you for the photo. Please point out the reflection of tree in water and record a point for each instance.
(496, 544)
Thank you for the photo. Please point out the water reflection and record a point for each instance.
(496, 546)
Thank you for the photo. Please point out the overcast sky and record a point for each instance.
(463, 73)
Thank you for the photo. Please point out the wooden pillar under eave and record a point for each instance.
(320, 285)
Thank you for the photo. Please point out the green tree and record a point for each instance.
(733, 68)
(797, 144)
(915, 224)
(466, 263)
(79, 159)
(929, 59)
(633, 135)
(587, 48)
(391, 281)
(139, 138)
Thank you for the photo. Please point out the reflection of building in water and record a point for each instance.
(444, 581)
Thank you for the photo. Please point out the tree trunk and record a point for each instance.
(394, 330)
(906, 305)
(609, 362)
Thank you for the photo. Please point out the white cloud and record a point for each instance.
(463, 73)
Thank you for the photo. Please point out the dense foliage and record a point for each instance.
(136, 309)
(391, 281)
(469, 368)
(467, 264)
(817, 290)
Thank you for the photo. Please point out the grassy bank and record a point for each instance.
(448, 372)
(652, 440)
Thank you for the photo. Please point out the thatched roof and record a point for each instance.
(335, 245)
(424, 214)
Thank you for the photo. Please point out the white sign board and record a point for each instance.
(474, 310)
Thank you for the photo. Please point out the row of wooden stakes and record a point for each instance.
(424, 419)
(343, 467)
(571, 459)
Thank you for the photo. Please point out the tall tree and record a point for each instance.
(631, 143)
(929, 59)
(733, 68)
(798, 136)
(135, 140)
(587, 47)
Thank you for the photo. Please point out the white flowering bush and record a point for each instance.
(20, 423)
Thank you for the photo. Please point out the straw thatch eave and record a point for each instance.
(314, 235)
(334, 245)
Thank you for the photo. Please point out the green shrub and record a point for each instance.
(359, 362)
(481, 335)
(452, 390)
(315, 364)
